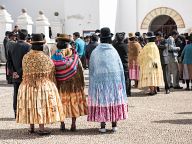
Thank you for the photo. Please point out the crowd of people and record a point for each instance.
(49, 82)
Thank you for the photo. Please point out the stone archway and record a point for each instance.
(162, 11)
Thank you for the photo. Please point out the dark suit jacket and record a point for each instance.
(90, 47)
(163, 51)
(122, 50)
(15, 56)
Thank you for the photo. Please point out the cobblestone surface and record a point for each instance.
(160, 119)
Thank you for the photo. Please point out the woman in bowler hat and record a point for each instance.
(151, 74)
(107, 98)
(38, 98)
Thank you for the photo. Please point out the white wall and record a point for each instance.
(81, 15)
(76, 15)
(108, 10)
(126, 16)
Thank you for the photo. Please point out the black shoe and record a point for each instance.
(62, 127)
(187, 89)
(129, 94)
(178, 87)
(158, 89)
(32, 130)
(167, 91)
(73, 128)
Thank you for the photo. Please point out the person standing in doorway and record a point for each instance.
(173, 59)
(122, 49)
(164, 56)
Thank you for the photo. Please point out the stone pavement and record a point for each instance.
(160, 119)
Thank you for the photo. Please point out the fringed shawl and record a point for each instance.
(106, 73)
(66, 64)
(37, 68)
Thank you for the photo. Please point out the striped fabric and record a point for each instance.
(66, 67)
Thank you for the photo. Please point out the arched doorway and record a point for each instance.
(163, 23)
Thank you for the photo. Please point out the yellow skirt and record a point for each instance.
(150, 76)
(41, 105)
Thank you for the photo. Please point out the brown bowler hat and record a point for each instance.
(131, 35)
(64, 37)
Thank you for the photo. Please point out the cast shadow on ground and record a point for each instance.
(7, 119)
(176, 121)
(19, 134)
(139, 94)
(184, 113)
(4, 84)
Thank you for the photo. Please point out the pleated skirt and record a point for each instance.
(39, 105)
(73, 96)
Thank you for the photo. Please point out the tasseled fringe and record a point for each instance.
(34, 79)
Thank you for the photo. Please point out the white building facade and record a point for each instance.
(119, 15)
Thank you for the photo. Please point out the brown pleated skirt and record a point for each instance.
(72, 95)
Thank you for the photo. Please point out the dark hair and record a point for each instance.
(126, 40)
(77, 34)
(22, 34)
(62, 44)
(37, 46)
(94, 37)
(152, 39)
(106, 40)
(120, 36)
(97, 31)
(7, 33)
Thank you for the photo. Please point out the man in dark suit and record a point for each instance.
(14, 61)
(163, 51)
(91, 46)
(122, 49)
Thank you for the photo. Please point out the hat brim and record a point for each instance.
(105, 37)
(37, 42)
(63, 39)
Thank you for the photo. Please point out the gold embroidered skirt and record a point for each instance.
(40, 105)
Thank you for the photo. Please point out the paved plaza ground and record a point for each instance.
(160, 119)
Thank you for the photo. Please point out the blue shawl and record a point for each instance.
(106, 75)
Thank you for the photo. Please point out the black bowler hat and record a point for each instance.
(137, 34)
(37, 39)
(105, 33)
(150, 35)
